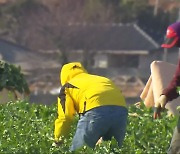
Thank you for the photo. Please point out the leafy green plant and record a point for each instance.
(28, 128)
(12, 78)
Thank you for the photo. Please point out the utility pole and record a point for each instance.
(156, 7)
(165, 54)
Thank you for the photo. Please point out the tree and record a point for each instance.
(12, 79)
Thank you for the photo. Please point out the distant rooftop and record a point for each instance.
(107, 37)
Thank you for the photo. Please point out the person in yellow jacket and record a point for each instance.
(99, 103)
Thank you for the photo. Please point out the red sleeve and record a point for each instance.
(171, 91)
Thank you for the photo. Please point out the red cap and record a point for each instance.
(171, 38)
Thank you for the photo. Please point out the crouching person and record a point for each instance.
(171, 92)
(99, 103)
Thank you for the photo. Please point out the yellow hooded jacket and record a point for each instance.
(81, 92)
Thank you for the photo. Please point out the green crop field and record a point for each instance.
(28, 129)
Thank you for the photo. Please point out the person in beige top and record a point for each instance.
(171, 91)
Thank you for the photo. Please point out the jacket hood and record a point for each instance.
(70, 70)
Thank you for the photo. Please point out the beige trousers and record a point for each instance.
(161, 75)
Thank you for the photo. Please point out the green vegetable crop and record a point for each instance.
(28, 129)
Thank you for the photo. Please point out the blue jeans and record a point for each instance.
(175, 141)
(105, 122)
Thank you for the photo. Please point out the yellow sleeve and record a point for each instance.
(64, 120)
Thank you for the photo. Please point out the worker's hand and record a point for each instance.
(178, 108)
(161, 102)
(159, 106)
(57, 143)
(99, 141)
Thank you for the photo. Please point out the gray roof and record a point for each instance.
(24, 57)
(108, 37)
(12, 52)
